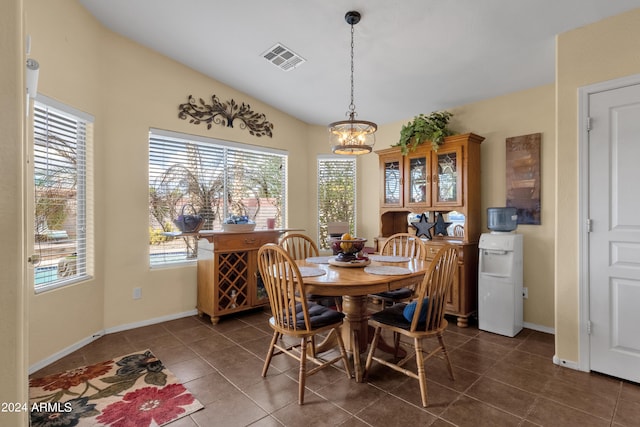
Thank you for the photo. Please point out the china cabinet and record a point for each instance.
(437, 182)
(228, 280)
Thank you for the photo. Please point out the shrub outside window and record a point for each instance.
(61, 142)
(213, 178)
(336, 194)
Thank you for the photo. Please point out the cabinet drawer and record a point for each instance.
(236, 242)
(432, 249)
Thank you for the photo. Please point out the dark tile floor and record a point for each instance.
(500, 381)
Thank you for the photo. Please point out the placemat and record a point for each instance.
(388, 258)
(311, 271)
(386, 270)
(319, 259)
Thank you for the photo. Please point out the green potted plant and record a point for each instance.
(425, 128)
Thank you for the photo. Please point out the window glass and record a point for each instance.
(336, 194)
(60, 142)
(213, 179)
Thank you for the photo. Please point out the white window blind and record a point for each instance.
(60, 180)
(336, 194)
(213, 178)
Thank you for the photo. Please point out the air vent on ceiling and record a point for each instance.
(283, 57)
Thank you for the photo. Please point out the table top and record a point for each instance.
(355, 281)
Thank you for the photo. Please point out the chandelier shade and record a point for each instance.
(352, 137)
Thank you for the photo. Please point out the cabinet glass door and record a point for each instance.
(418, 192)
(448, 177)
(392, 185)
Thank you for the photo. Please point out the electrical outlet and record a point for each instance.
(137, 293)
(525, 293)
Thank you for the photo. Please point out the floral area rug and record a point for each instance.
(135, 390)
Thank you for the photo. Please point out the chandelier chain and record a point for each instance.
(352, 105)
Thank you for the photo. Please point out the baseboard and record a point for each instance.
(64, 352)
(566, 363)
(148, 322)
(78, 345)
(540, 328)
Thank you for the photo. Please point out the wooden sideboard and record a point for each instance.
(227, 271)
(442, 181)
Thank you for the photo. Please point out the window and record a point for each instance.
(215, 179)
(336, 194)
(60, 142)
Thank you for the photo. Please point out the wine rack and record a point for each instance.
(228, 281)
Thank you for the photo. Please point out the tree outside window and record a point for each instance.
(336, 194)
(214, 179)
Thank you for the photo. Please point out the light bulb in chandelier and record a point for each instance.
(352, 137)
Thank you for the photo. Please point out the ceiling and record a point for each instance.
(411, 56)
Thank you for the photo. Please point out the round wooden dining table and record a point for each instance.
(355, 284)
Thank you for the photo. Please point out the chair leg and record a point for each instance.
(372, 350)
(396, 344)
(446, 356)
(422, 377)
(272, 347)
(338, 303)
(313, 346)
(302, 375)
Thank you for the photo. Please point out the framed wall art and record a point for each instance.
(523, 177)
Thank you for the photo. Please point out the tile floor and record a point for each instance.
(500, 381)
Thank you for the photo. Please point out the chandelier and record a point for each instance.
(352, 136)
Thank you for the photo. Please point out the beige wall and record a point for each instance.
(129, 89)
(64, 43)
(496, 119)
(13, 308)
(603, 51)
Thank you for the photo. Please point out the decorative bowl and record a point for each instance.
(238, 228)
(351, 246)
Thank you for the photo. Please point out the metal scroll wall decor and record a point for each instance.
(225, 113)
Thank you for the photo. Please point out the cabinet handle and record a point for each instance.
(249, 241)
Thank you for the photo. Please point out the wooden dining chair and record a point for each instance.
(421, 319)
(300, 246)
(458, 230)
(406, 245)
(294, 316)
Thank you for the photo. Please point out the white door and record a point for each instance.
(614, 240)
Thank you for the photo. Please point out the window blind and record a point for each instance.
(60, 191)
(336, 194)
(214, 179)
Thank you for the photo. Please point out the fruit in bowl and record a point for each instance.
(347, 245)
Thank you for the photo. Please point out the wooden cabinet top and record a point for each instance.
(258, 237)
(471, 137)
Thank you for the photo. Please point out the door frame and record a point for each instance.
(584, 363)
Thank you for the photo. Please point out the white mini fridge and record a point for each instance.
(500, 283)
